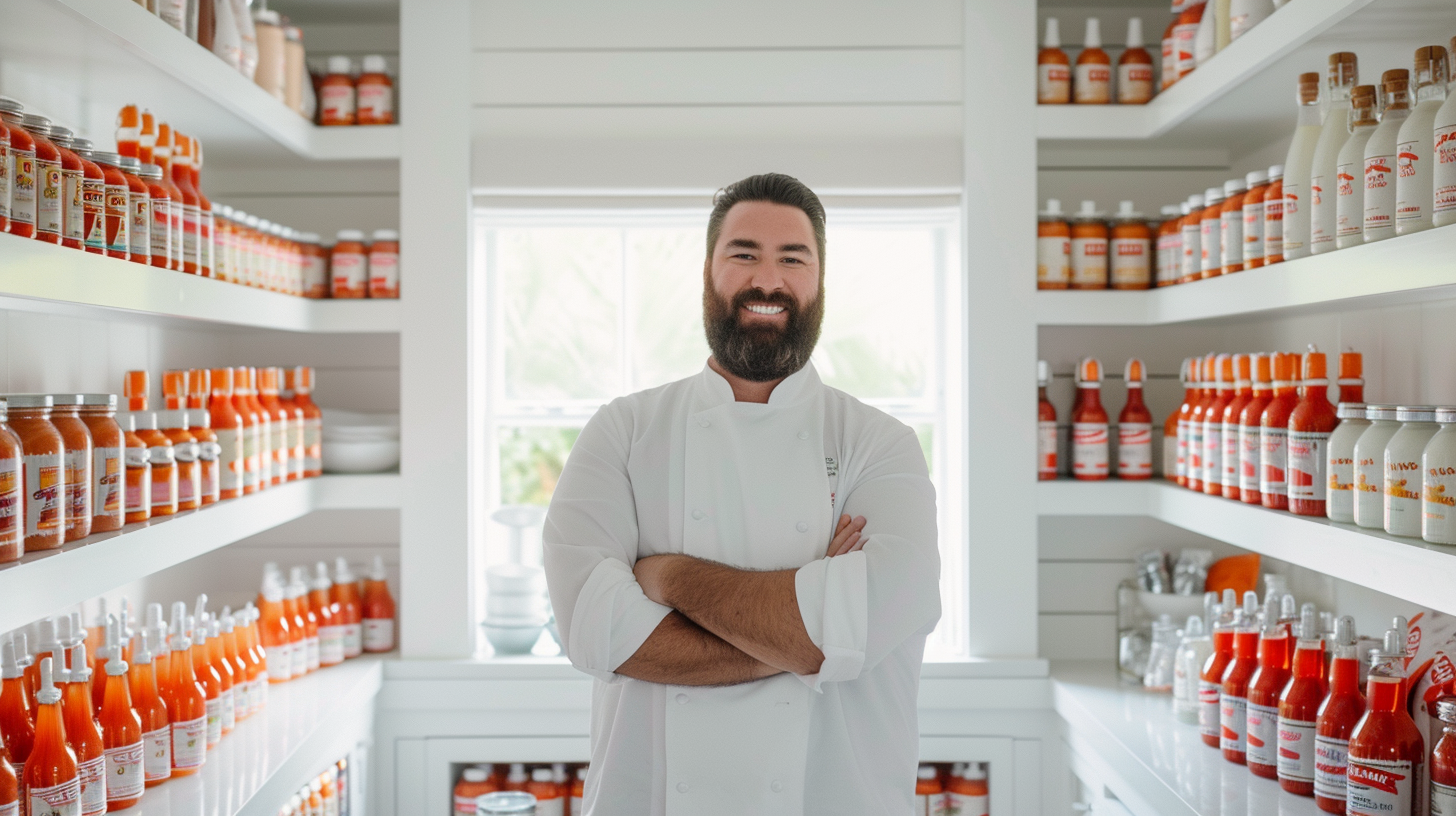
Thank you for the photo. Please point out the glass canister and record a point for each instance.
(1158, 676)
(501, 803)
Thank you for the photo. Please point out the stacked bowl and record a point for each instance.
(516, 607)
(360, 443)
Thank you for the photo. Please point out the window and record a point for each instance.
(588, 305)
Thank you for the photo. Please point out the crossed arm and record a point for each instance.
(729, 625)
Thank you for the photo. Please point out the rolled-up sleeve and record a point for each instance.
(589, 546)
(859, 607)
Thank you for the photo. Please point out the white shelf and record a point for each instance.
(1407, 568)
(41, 583)
(121, 53)
(309, 724)
(41, 277)
(1243, 98)
(1407, 269)
(1129, 741)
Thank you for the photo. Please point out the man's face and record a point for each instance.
(763, 295)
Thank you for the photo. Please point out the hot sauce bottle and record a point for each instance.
(12, 498)
(1352, 387)
(252, 643)
(1250, 446)
(138, 213)
(251, 428)
(1185, 31)
(207, 677)
(1089, 424)
(121, 732)
(1274, 435)
(1276, 653)
(1234, 690)
(48, 179)
(182, 180)
(1257, 182)
(275, 628)
(43, 475)
(151, 713)
(297, 628)
(17, 725)
(1223, 370)
(378, 611)
(1210, 679)
(158, 140)
(1135, 68)
(1191, 393)
(242, 688)
(1274, 217)
(1130, 250)
(1202, 396)
(137, 458)
(375, 93)
(1342, 708)
(279, 443)
(1443, 760)
(296, 421)
(199, 422)
(1171, 466)
(384, 264)
(1170, 246)
(1046, 426)
(227, 424)
(9, 787)
(1210, 234)
(1134, 427)
(1092, 76)
(51, 779)
(173, 424)
(300, 381)
(1243, 392)
(245, 388)
(77, 462)
(163, 454)
(205, 221)
(1386, 773)
(297, 593)
(98, 412)
(73, 188)
(186, 701)
(330, 621)
(82, 734)
(1299, 704)
(1310, 425)
(336, 93)
(1089, 249)
(345, 593)
(1053, 68)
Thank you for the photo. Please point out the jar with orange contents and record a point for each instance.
(73, 188)
(21, 170)
(374, 93)
(139, 211)
(384, 264)
(108, 482)
(43, 476)
(315, 266)
(1089, 248)
(48, 179)
(93, 199)
(4, 176)
(337, 94)
(348, 265)
(77, 462)
(1131, 250)
(117, 205)
(12, 506)
(1443, 760)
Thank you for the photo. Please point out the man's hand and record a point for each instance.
(846, 536)
(650, 575)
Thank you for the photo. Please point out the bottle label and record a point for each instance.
(1321, 205)
(1307, 460)
(384, 274)
(1212, 453)
(58, 800)
(44, 490)
(161, 228)
(185, 452)
(190, 227)
(279, 659)
(118, 218)
(48, 205)
(1233, 721)
(1092, 84)
(1208, 708)
(189, 743)
(1296, 750)
(1053, 84)
(337, 102)
(376, 101)
(1134, 83)
(1195, 450)
(92, 774)
(22, 186)
(349, 274)
(1192, 252)
(1438, 513)
(1443, 799)
(251, 461)
(141, 225)
(10, 502)
(1170, 457)
(13, 808)
(74, 192)
(213, 708)
(106, 481)
(78, 485)
(5, 185)
(242, 700)
(279, 443)
(1413, 182)
(1379, 787)
(1046, 448)
(230, 459)
(378, 634)
(1262, 735)
(353, 640)
(1379, 192)
(1330, 760)
(1231, 444)
(1273, 228)
(1231, 227)
(298, 658)
(124, 774)
(313, 447)
(331, 645)
(311, 650)
(1444, 176)
(1210, 255)
(164, 491)
(138, 488)
(1350, 203)
(1183, 37)
(1341, 493)
(1131, 262)
(1274, 443)
(93, 198)
(1134, 449)
(1089, 449)
(1089, 262)
(157, 762)
(464, 805)
(1181, 462)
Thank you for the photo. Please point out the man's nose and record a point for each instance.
(768, 277)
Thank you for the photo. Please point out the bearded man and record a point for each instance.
(746, 560)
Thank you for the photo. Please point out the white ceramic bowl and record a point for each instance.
(361, 457)
(515, 605)
(515, 579)
(512, 640)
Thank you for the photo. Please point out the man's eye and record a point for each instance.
(792, 260)
(743, 255)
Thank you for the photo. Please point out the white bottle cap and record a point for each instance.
(1094, 34)
(1276, 172)
(1135, 32)
(1171, 210)
(926, 772)
(518, 772)
(1089, 210)
(1125, 210)
(386, 235)
(1233, 186)
(10, 668)
(1195, 201)
(1212, 196)
(1256, 178)
(341, 65)
(375, 64)
(154, 615)
(474, 775)
(351, 235)
(48, 693)
(1053, 208)
(378, 573)
(976, 772)
(1053, 34)
(342, 575)
(541, 775)
(1043, 372)
(80, 669)
(321, 576)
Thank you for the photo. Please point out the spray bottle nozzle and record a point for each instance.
(1308, 623)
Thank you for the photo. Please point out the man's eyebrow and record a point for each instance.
(794, 248)
(743, 243)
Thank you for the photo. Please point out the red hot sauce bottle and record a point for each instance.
(1134, 427)
(1275, 655)
(1341, 709)
(1310, 425)
(1089, 425)
(1274, 435)
(1386, 774)
(1233, 704)
(1299, 704)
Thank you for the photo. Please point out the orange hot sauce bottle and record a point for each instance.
(1274, 218)
(1443, 758)
(1170, 429)
(162, 157)
(73, 200)
(185, 445)
(345, 593)
(1387, 751)
(251, 643)
(278, 420)
(17, 726)
(1184, 413)
(1299, 706)
(1250, 447)
(1046, 427)
(265, 423)
(82, 735)
(50, 771)
(22, 162)
(9, 785)
(1341, 710)
(137, 458)
(301, 381)
(182, 180)
(1185, 31)
(163, 454)
(330, 623)
(208, 678)
(1092, 75)
(293, 605)
(121, 732)
(374, 93)
(199, 424)
(1274, 435)
(186, 702)
(252, 463)
(228, 426)
(1352, 388)
(303, 607)
(1053, 69)
(205, 221)
(1310, 425)
(1135, 78)
(1232, 414)
(1276, 654)
(1089, 425)
(1211, 678)
(275, 632)
(1134, 427)
(77, 464)
(296, 420)
(378, 611)
(1213, 411)
(1233, 695)
(151, 714)
(1207, 393)
(217, 657)
(237, 668)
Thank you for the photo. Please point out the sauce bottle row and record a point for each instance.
(1088, 252)
(555, 789)
(325, 795)
(345, 99)
(1090, 81)
(71, 465)
(256, 252)
(1091, 440)
(299, 635)
(1278, 692)
(952, 789)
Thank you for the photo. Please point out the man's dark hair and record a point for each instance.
(772, 187)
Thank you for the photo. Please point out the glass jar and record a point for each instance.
(12, 507)
(77, 439)
(1158, 676)
(108, 479)
(1403, 468)
(1370, 466)
(1443, 760)
(1438, 482)
(43, 477)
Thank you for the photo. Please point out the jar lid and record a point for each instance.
(82, 146)
(130, 165)
(29, 400)
(386, 235)
(108, 400)
(175, 418)
(103, 157)
(1446, 709)
(8, 104)
(1350, 410)
(1256, 178)
(1415, 413)
(309, 237)
(1446, 413)
(36, 122)
(150, 171)
(351, 235)
(341, 65)
(62, 136)
(505, 802)
(68, 399)
(1380, 412)
(375, 64)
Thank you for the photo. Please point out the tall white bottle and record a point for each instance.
(1323, 199)
(1380, 157)
(1415, 181)
(1297, 167)
(1444, 173)
(1350, 169)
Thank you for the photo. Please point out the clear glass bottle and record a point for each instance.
(1350, 169)
(1298, 166)
(1159, 674)
(1380, 181)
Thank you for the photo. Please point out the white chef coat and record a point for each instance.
(684, 468)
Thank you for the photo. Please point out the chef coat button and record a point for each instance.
(803, 434)
(803, 527)
(777, 786)
(705, 423)
(682, 699)
(698, 514)
(682, 787)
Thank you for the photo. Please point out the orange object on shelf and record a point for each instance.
(345, 593)
(1046, 426)
(17, 723)
(1352, 387)
(1299, 704)
(293, 414)
(12, 464)
(77, 462)
(108, 477)
(231, 655)
(231, 431)
(1274, 434)
(267, 467)
(1135, 68)
(186, 701)
(1213, 411)
(1233, 693)
(182, 180)
(199, 422)
(50, 771)
(121, 731)
(49, 186)
(1276, 653)
(301, 382)
(1134, 427)
(138, 213)
(330, 619)
(297, 593)
(374, 93)
(151, 713)
(1185, 31)
(378, 611)
(1089, 425)
(275, 631)
(172, 422)
(163, 454)
(1092, 73)
(384, 264)
(1236, 573)
(205, 221)
(280, 442)
(43, 477)
(1310, 425)
(473, 782)
(23, 186)
(1130, 250)
(349, 266)
(252, 430)
(1251, 446)
(82, 735)
(207, 675)
(73, 189)
(1341, 709)
(1053, 68)
(337, 98)
(1387, 752)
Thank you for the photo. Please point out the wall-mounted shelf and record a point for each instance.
(1407, 568)
(120, 53)
(1407, 269)
(43, 583)
(40, 277)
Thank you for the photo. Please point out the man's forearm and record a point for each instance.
(682, 653)
(756, 612)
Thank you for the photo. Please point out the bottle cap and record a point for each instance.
(1446, 709)
(1053, 39)
(1309, 88)
(48, 694)
(342, 575)
(386, 235)
(115, 665)
(1093, 38)
(474, 775)
(1344, 70)
(1308, 623)
(375, 64)
(1276, 172)
(1170, 210)
(1350, 410)
(1212, 196)
(1232, 187)
(541, 775)
(1089, 373)
(10, 668)
(1089, 212)
(1135, 32)
(350, 235)
(1193, 628)
(1363, 96)
(1351, 365)
(80, 669)
(1250, 609)
(1043, 373)
(1380, 413)
(267, 17)
(41, 125)
(1224, 371)
(321, 576)
(1271, 615)
(341, 65)
(1415, 413)
(1195, 201)
(1256, 178)
(518, 772)
(1394, 82)
(1344, 631)
(8, 104)
(378, 573)
(135, 388)
(1243, 370)
(1126, 211)
(1284, 366)
(14, 401)
(1287, 607)
(1432, 66)
(297, 583)
(141, 647)
(926, 772)
(1263, 369)
(1314, 364)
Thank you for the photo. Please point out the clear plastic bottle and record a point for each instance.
(1341, 78)
(1403, 468)
(1380, 155)
(1193, 652)
(1438, 480)
(1415, 165)
(1298, 166)
(1370, 466)
(1350, 196)
(1340, 461)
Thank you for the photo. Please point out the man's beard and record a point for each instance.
(761, 353)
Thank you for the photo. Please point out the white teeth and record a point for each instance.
(765, 310)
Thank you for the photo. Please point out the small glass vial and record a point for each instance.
(1340, 461)
(1438, 485)
(1403, 468)
(1370, 466)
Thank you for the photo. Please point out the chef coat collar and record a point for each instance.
(714, 390)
